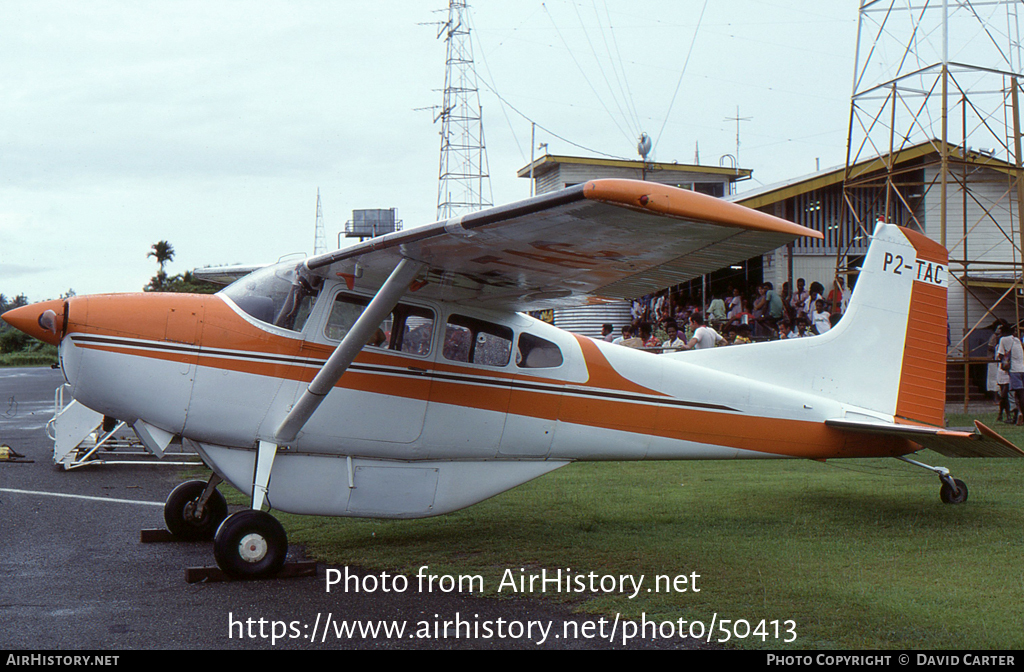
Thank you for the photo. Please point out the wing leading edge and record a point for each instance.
(594, 242)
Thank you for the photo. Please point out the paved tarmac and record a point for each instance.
(74, 574)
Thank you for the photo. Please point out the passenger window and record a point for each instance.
(537, 353)
(478, 342)
(414, 329)
(408, 329)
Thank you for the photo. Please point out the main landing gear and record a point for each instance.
(248, 544)
(952, 490)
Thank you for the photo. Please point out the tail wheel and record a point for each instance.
(250, 545)
(953, 495)
(180, 512)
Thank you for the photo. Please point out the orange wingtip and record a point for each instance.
(676, 202)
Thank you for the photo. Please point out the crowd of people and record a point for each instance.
(672, 321)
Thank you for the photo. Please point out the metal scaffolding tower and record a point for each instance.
(934, 144)
(463, 180)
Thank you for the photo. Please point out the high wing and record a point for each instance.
(598, 241)
(982, 442)
(225, 275)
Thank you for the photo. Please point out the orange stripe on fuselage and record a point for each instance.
(220, 328)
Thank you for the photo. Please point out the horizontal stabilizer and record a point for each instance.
(982, 442)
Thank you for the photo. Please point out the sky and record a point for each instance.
(213, 124)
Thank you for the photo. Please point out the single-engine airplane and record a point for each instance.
(398, 378)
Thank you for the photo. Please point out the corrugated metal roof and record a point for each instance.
(780, 191)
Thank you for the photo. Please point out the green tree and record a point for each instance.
(185, 283)
(163, 252)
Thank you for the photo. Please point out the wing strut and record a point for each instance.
(383, 303)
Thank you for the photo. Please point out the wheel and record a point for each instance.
(180, 508)
(951, 496)
(250, 545)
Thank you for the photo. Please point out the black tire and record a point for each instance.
(250, 545)
(950, 496)
(180, 507)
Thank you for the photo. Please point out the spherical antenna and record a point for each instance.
(644, 146)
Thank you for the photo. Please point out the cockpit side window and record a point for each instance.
(408, 329)
(282, 296)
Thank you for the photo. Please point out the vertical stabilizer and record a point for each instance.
(888, 352)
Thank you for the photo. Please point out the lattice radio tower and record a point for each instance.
(464, 184)
(320, 238)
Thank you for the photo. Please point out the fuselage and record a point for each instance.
(455, 384)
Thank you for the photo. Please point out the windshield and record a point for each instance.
(280, 295)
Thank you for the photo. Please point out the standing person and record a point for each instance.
(1010, 345)
(799, 298)
(1001, 370)
(703, 336)
(607, 333)
(992, 370)
(838, 298)
(814, 293)
(772, 306)
(763, 326)
(716, 310)
(735, 304)
(820, 318)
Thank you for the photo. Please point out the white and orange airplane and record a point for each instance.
(398, 379)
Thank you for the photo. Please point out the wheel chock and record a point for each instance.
(290, 570)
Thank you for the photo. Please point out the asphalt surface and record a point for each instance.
(74, 574)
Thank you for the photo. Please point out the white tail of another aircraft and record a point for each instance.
(886, 355)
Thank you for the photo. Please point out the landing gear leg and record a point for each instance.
(252, 544)
(952, 491)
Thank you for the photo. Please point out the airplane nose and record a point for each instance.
(44, 320)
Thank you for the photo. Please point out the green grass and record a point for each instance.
(859, 553)
(44, 355)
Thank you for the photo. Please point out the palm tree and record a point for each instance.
(164, 252)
